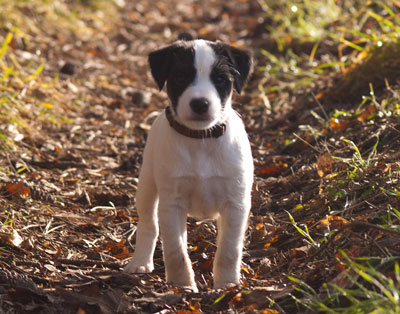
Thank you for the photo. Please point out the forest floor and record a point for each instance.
(76, 103)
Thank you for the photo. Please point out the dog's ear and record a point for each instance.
(160, 64)
(241, 64)
(186, 35)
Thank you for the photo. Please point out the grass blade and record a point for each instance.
(4, 47)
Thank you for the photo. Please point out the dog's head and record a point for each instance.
(200, 76)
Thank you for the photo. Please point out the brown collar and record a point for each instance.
(215, 131)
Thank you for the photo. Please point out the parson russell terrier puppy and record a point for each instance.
(197, 161)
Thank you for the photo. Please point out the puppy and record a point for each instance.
(197, 161)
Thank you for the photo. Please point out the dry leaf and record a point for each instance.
(117, 249)
(195, 307)
(269, 311)
(17, 189)
(339, 124)
(367, 114)
(334, 222)
(324, 165)
(16, 238)
(273, 169)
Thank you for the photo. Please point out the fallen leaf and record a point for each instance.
(259, 226)
(97, 52)
(206, 262)
(269, 311)
(195, 307)
(17, 189)
(274, 166)
(47, 105)
(16, 238)
(297, 208)
(245, 269)
(5, 237)
(334, 222)
(270, 170)
(339, 124)
(367, 114)
(237, 301)
(117, 249)
(80, 311)
(324, 164)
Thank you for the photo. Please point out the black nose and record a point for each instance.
(199, 105)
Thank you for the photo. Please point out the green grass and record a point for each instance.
(316, 38)
(352, 46)
(368, 285)
(358, 164)
(29, 99)
(304, 232)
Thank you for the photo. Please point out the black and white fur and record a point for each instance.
(209, 177)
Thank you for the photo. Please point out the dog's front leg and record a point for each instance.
(232, 224)
(147, 230)
(178, 267)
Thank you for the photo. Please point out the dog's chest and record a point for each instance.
(201, 161)
(177, 156)
(201, 197)
(198, 177)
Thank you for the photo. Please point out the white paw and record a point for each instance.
(187, 286)
(135, 267)
(224, 285)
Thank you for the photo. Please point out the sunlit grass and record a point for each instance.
(29, 98)
(354, 46)
(316, 38)
(368, 286)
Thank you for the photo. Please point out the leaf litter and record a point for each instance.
(70, 164)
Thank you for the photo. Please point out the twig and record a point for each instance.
(11, 165)
(394, 129)
(307, 143)
(320, 106)
(87, 262)
(62, 165)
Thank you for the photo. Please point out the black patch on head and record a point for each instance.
(187, 35)
(174, 64)
(238, 61)
(222, 78)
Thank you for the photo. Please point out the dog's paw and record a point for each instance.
(181, 277)
(135, 267)
(189, 287)
(224, 285)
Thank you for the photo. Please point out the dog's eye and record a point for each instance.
(220, 79)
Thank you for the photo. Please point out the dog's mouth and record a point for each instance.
(197, 121)
(196, 128)
(201, 122)
(201, 118)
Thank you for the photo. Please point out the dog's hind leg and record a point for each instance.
(147, 230)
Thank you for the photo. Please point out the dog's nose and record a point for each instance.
(199, 105)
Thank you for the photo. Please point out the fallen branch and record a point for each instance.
(87, 263)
